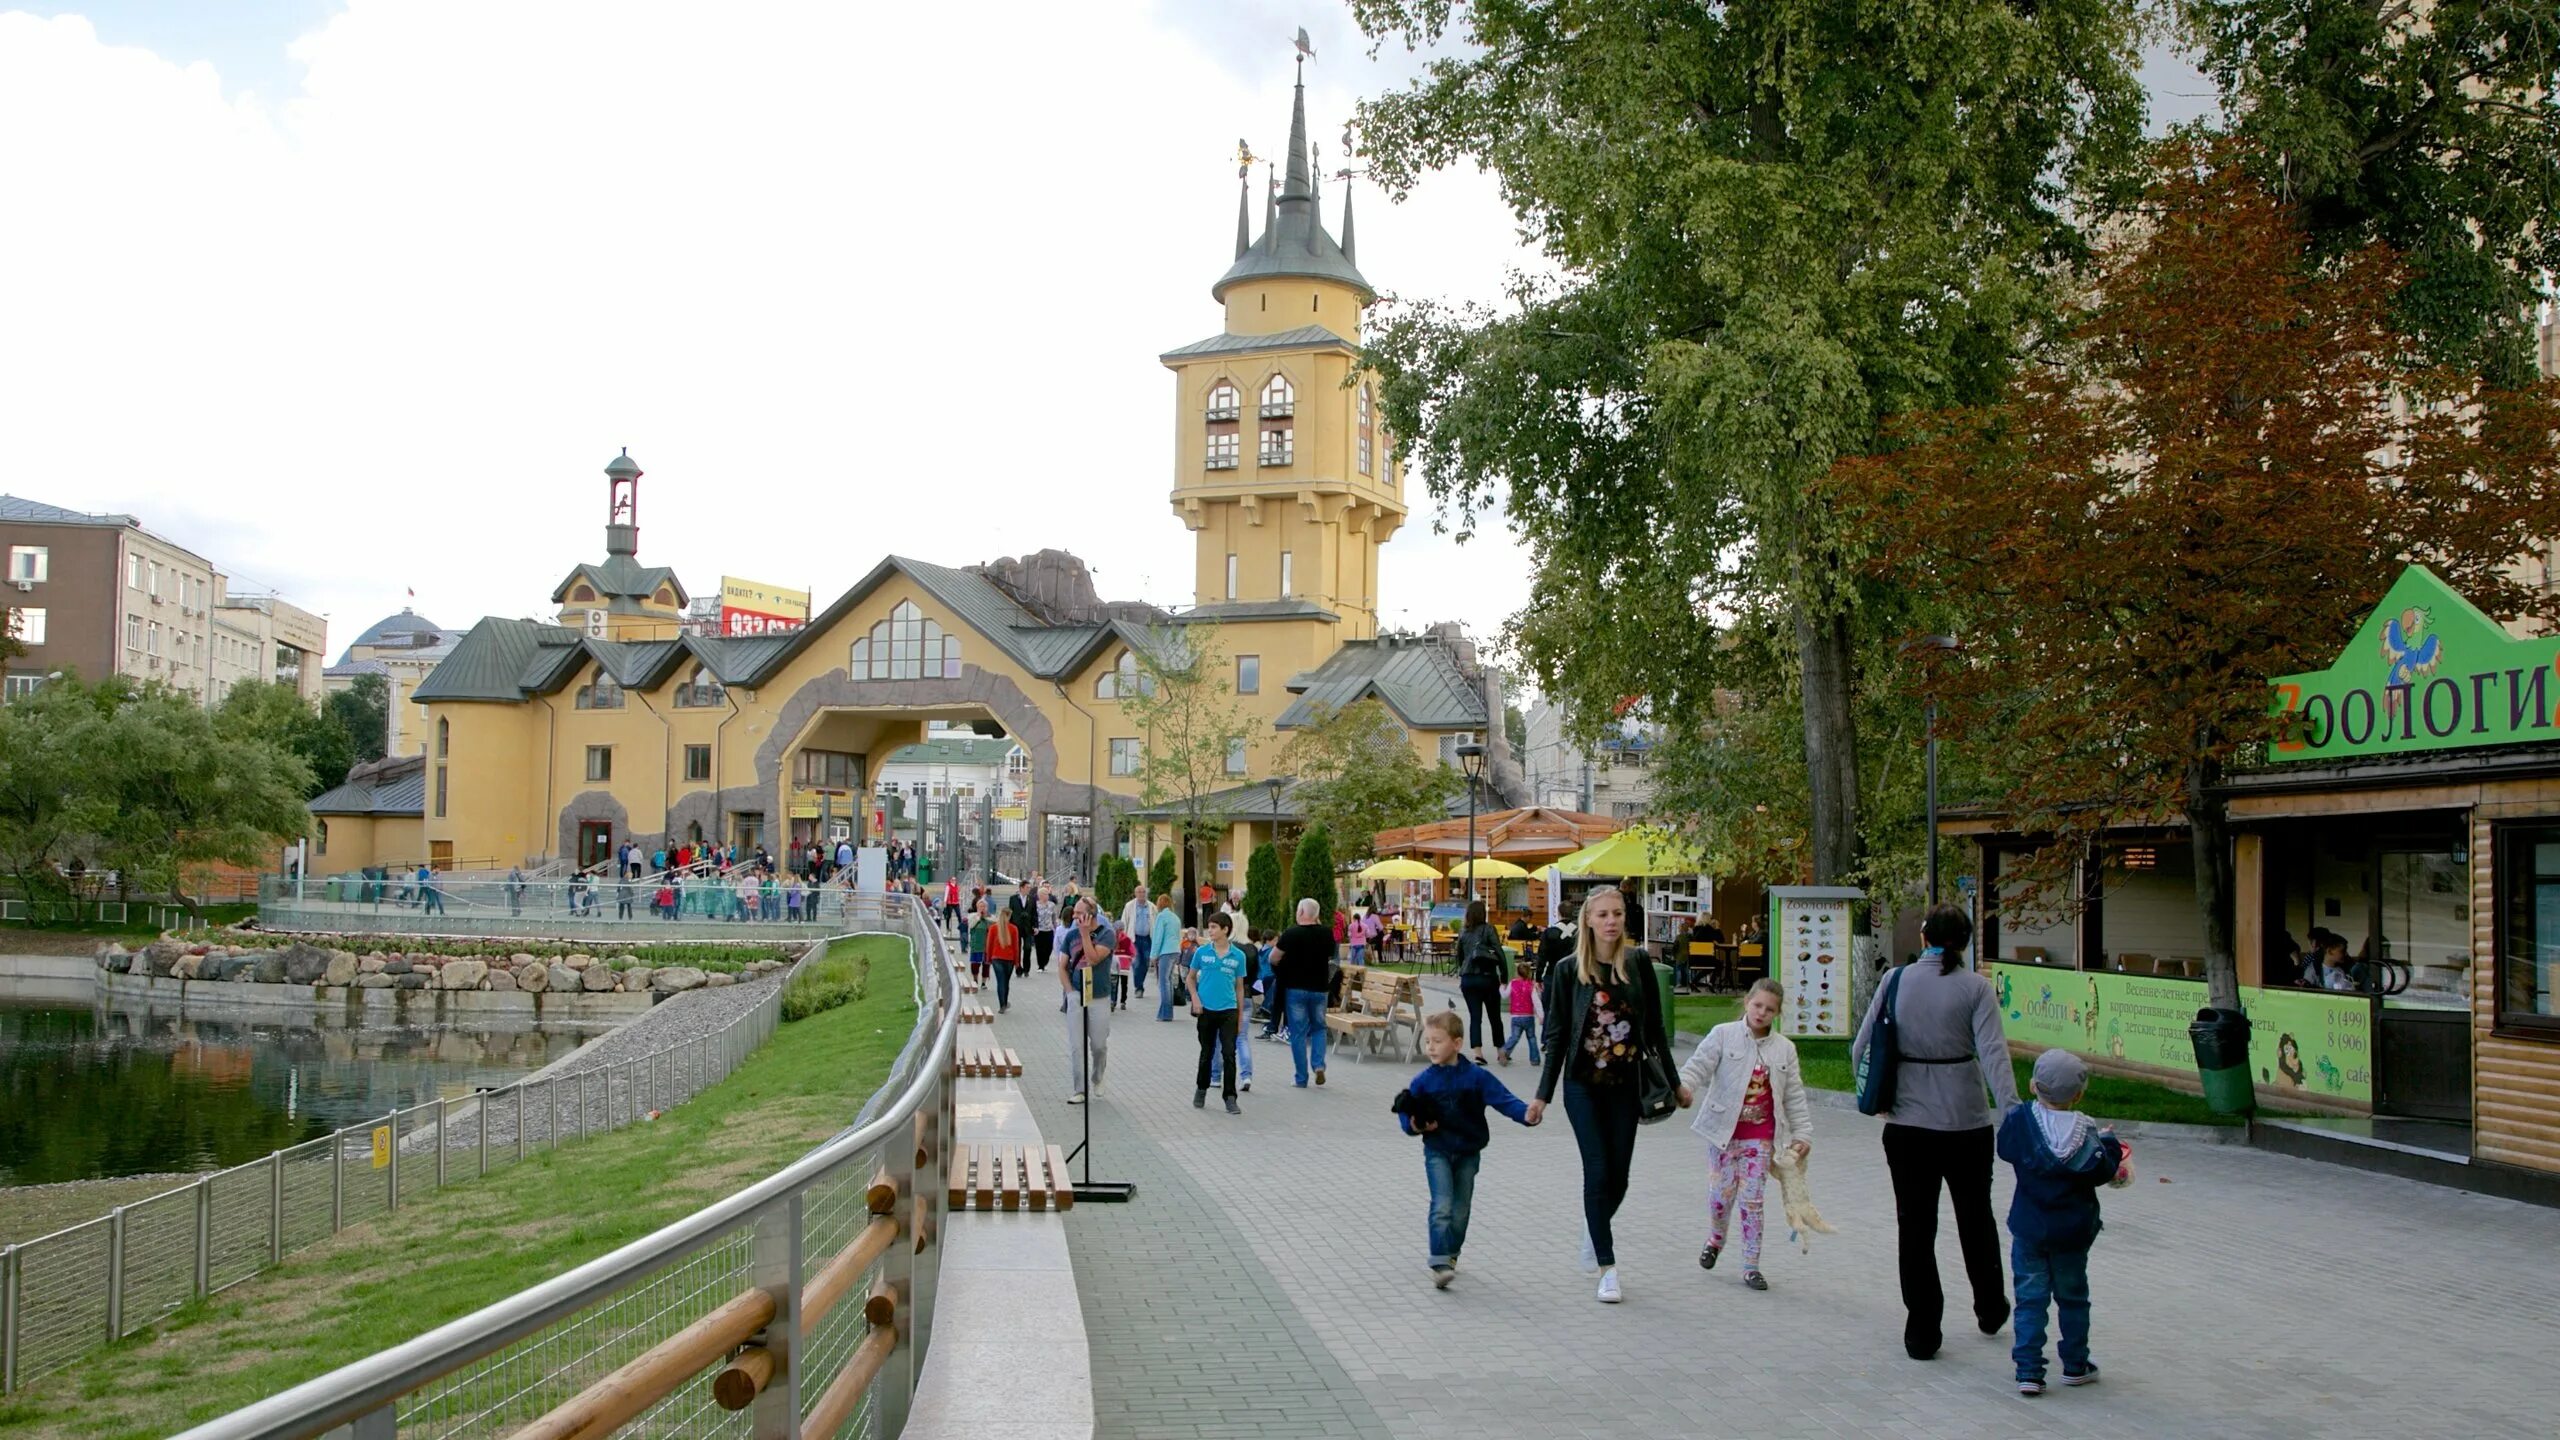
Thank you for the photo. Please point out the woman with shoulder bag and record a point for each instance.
(1604, 1023)
(1480, 957)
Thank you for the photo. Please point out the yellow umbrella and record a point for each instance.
(1399, 869)
(1486, 867)
(1636, 850)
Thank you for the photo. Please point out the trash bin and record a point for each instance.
(2221, 1038)
(336, 888)
(1662, 981)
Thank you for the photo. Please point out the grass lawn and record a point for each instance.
(454, 1252)
(27, 1211)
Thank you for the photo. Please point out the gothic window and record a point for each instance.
(1125, 680)
(1225, 405)
(1224, 450)
(1224, 402)
(701, 690)
(1279, 402)
(1368, 431)
(444, 738)
(907, 646)
(1279, 445)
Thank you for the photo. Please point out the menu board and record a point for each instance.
(1815, 957)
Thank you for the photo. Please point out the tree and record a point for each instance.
(1162, 876)
(1115, 879)
(1197, 736)
(276, 714)
(2430, 128)
(1311, 876)
(11, 647)
(363, 710)
(1777, 223)
(1357, 774)
(2204, 486)
(51, 807)
(1266, 905)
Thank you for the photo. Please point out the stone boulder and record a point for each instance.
(410, 981)
(342, 969)
(115, 960)
(519, 960)
(499, 980)
(716, 979)
(533, 975)
(397, 965)
(376, 980)
(371, 965)
(676, 978)
(163, 955)
(268, 969)
(462, 974)
(637, 977)
(579, 962)
(596, 978)
(303, 964)
(188, 967)
(563, 978)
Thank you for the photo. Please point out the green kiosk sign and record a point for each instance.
(2427, 672)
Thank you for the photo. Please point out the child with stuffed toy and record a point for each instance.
(1752, 1109)
(1445, 1105)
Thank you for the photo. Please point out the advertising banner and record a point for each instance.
(2427, 672)
(1814, 957)
(751, 607)
(2299, 1040)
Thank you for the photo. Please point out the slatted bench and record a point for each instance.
(1353, 1020)
(984, 1059)
(1010, 1177)
(976, 1012)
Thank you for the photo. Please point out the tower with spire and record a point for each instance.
(620, 598)
(1282, 470)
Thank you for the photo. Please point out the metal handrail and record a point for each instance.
(363, 1391)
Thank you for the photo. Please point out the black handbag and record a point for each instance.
(1657, 1080)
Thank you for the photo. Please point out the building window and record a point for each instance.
(599, 762)
(1224, 402)
(1368, 430)
(701, 690)
(22, 686)
(1236, 755)
(1248, 674)
(1231, 576)
(323, 827)
(444, 738)
(28, 625)
(826, 770)
(697, 762)
(1279, 445)
(1125, 680)
(133, 572)
(601, 694)
(151, 639)
(1225, 450)
(440, 792)
(133, 632)
(1017, 766)
(1288, 575)
(29, 562)
(2528, 860)
(1279, 402)
(1126, 757)
(906, 646)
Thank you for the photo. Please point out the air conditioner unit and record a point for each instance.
(155, 599)
(24, 584)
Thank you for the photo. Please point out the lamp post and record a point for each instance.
(1471, 759)
(1929, 725)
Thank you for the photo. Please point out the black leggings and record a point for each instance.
(1920, 1161)
(1041, 940)
(1484, 1009)
(1217, 1033)
(1604, 1129)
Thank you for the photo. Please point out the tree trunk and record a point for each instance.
(1189, 900)
(1830, 743)
(2215, 908)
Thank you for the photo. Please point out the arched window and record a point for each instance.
(444, 738)
(1279, 402)
(1368, 430)
(1224, 446)
(1224, 402)
(602, 693)
(906, 646)
(1125, 680)
(701, 690)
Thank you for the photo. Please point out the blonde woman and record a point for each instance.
(1604, 1011)
(1752, 1106)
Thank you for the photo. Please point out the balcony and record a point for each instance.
(1280, 411)
(1280, 455)
(1229, 413)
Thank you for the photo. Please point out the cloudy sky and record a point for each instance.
(356, 297)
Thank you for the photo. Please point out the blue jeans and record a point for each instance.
(1453, 1195)
(1164, 986)
(1244, 1058)
(1523, 1026)
(1306, 1028)
(1138, 972)
(2061, 1276)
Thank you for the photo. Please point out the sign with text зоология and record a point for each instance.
(2427, 672)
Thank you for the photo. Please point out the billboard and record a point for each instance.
(2427, 672)
(751, 607)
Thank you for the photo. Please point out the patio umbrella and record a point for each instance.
(1485, 867)
(1636, 850)
(1399, 868)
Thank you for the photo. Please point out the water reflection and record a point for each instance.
(89, 1091)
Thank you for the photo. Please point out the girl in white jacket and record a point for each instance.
(1751, 1103)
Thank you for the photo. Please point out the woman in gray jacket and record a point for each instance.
(1952, 1052)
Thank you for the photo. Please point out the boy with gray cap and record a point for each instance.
(2060, 1159)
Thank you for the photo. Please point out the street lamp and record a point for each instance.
(1471, 760)
(1929, 725)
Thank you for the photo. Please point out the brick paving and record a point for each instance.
(1268, 1282)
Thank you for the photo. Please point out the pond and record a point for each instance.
(88, 1091)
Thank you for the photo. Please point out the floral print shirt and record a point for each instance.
(1607, 1055)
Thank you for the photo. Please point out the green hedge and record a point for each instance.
(839, 977)
(702, 955)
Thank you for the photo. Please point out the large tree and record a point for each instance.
(262, 710)
(1775, 223)
(1357, 774)
(1197, 735)
(363, 710)
(2433, 128)
(2207, 483)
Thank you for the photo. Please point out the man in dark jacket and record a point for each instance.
(1304, 972)
(2060, 1160)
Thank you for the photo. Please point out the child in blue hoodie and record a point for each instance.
(1445, 1105)
(2060, 1160)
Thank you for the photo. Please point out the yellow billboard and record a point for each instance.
(752, 607)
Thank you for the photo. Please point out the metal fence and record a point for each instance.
(95, 912)
(64, 1294)
(604, 909)
(801, 1306)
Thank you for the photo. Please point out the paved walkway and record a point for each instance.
(1268, 1282)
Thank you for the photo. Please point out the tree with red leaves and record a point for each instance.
(2207, 480)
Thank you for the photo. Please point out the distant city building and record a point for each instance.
(1613, 777)
(403, 649)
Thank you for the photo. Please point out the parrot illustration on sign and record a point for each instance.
(2410, 649)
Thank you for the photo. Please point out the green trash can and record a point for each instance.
(2221, 1039)
(1662, 981)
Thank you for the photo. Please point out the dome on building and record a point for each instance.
(407, 630)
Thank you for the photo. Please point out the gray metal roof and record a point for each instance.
(619, 577)
(1221, 611)
(398, 787)
(406, 623)
(1294, 242)
(740, 659)
(1420, 681)
(36, 512)
(488, 663)
(955, 750)
(1249, 801)
(1226, 343)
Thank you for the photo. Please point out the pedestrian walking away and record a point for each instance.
(1445, 1105)
(1949, 1051)
(1480, 966)
(1751, 1106)
(1522, 997)
(1166, 944)
(1137, 931)
(1004, 955)
(979, 919)
(1604, 1016)
(2060, 1160)
(1306, 974)
(1215, 970)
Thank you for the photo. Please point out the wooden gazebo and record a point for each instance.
(1530, 838)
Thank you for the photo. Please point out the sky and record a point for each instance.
(357, 299)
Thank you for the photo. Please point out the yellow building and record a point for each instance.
(566, 739)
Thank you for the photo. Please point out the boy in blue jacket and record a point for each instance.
(2060, 1160)
(1445, 1105)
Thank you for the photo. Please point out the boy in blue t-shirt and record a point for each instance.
(1445, 1105)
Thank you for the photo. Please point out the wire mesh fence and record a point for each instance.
(63, 1294)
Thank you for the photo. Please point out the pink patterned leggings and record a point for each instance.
(1741, 1169)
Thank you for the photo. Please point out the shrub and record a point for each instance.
(825, 983)
(1115, 879)
(1164, 875)
(1311, 876)
(1266, 904)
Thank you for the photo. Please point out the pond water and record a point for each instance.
(89, 1090)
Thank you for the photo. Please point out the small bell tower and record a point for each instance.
(622, 506)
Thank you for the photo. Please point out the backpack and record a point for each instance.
(1481, 954)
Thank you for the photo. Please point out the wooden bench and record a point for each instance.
(1006, 1177)
(975, 1012)
(1353, 1019)
(1396, 1000)
(984, 1059)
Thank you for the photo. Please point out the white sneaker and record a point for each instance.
(1076, 1099)
(1609, 1286)
(1590, 1257)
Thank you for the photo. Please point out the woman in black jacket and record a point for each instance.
(1605, 1008)
(1481, 960)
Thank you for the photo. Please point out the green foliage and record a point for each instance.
(1165, 876)
(1115, 879)
(2428, 128)
(262, 710)
(1186, 709)
(839, 977)
(1311, 875)
(1266, 904)
(701, 955)
(363, 711)
(1357, 774)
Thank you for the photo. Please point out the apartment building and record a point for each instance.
(97, 594)
(1612, 777)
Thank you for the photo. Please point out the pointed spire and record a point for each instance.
(1244, 199)
(1350, 243)
(1315, 196)
(1295, 187)
(1270, 200)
